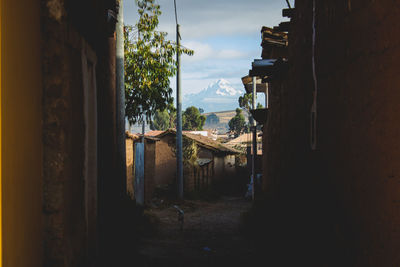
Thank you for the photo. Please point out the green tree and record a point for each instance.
(192, 120)
(246, 101)
(212, 119)
(149, 63)
(161, 120)
(237, 124)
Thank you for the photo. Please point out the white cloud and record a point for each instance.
(202, 51)
(231, 54)
(205, 18)
(205, 52)
(217, 31)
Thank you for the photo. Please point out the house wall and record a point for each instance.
(21, 134)
(358, 62)
(130, 179)
(229, 162)
(219, 167)
(346, 190)
(149, 169)
(204, 153)
(191, 176)
(82, 188)
(199, 177)
(165, 171)
(49, 125)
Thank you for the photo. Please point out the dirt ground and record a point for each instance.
(212, 235)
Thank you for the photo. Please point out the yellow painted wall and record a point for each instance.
(21, 148)
(1, 238)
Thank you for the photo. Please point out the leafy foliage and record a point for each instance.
(189, 150)
(192, 120)
(149, 63)
(212, 119)
(237, 124)
(161, 121)
(246, 101)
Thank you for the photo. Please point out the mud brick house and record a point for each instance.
(214, 162)
(331, 140)
(61, 187)
(150, 157)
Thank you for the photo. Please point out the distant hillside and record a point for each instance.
(224, 118)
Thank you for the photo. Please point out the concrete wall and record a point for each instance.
(21, 134)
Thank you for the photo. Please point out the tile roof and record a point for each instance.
(204, 142)
(153, 133)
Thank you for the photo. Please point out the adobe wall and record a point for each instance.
(149, 169)
(345, 195)
(130, 179)
(165, 172)
(78, 203)
(21, 154)
(358, 62)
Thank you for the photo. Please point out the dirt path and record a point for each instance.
(211, 236)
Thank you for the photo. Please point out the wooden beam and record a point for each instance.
(288, 12)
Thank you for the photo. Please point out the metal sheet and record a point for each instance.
(139, 173)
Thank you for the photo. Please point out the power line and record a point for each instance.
(288, 3)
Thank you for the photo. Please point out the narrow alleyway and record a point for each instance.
(212, 235)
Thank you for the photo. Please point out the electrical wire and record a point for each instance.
(288, 3)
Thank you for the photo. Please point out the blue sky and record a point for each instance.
(225, 35)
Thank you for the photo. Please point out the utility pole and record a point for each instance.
(254, 128)
(120, 96)
(179, 158)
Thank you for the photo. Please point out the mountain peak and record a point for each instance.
(223, 88)
(218, 95)
(221, 81)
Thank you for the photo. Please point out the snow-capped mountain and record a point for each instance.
(218, 96)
